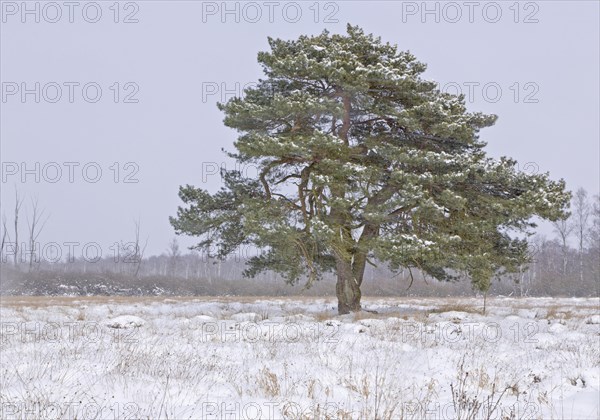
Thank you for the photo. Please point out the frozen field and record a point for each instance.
(196, 358)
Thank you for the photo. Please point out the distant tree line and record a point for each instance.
(567, 264)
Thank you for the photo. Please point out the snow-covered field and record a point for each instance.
(295, 358)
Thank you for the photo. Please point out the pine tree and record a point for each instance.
(361, 160)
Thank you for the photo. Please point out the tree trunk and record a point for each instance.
(350, 269)
(347, 289)
(484, 301)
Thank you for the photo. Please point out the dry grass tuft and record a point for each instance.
(322, 316)
(268, 382)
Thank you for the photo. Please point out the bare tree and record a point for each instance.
(581, 214)
(564, 229)
(5, 236)
(139, 252)
(18, 203)
(174, 253)
(35, 229)
(593, 236)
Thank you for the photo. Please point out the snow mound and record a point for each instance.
(299, 318)
(358, 328)
(246, 316)
(125, 321)
(204, 318)
(371, 322)
(594, 319)
(527, 313)
(557, 328)
(454, 316)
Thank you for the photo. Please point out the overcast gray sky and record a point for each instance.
(162, 66)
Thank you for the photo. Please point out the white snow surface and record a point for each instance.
(214, 358)
(125, 321)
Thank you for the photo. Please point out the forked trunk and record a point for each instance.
(347, 289)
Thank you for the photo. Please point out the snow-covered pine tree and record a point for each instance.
(361, 160)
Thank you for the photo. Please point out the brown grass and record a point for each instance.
(460, 304)
(269, 382)
(323, 316)
(46, 301)
(558, 312)
(457, 307)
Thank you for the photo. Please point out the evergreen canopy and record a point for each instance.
(359, 160)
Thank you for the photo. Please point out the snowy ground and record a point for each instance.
(295, 358)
